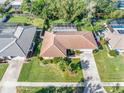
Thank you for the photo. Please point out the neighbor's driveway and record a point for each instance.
(11, 75)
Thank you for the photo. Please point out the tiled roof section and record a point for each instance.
(47, 42)
(76, 40)
(66, 40)
(13, 50)
(115, 40)
(26, 38)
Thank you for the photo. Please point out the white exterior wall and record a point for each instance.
(14, 58)
(84, 49)
(1, 57)
(48, 57)
(119, 50)
(109, 46)
(19, 58)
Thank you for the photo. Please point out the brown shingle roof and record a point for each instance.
(56, 43)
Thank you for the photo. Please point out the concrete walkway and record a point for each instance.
(44, 84)
(113, 84)
(11, 75)
(91, 75)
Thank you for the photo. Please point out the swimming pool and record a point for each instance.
(117, 26)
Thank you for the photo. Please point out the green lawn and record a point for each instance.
(36, 71)
(23, 19)
(3, 68)
(114, 89)
(19, 19)
(110, 68)
(49, 89)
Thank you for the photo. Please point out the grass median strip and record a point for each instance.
(49, 89)
(3, 68)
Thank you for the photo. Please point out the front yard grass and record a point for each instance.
(36, 71)
(110, 68)
(49, 89)
(3, 68)
(114, 89)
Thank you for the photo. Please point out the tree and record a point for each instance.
(104, 7)
(73, 67)
(59, 9)
(62, 65)
(26, 5)
(1, 11)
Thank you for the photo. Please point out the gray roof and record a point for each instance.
(64, 27)
(2, 1)
(10, 45)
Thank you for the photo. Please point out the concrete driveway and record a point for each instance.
(11, 75)
(91, 75)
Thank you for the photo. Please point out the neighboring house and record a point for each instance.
(16, 4)
(2, 2)
(63, 27)
(56, 44)
(16, 41)
(121, 4)
(115, 35)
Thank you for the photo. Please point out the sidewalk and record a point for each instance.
(113, 84)
(44, 84)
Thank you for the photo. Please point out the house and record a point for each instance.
(2, 2)
(16, 4)
(121, 4)
(56, 44)
(16, 41)
(63, 27)
(115, 35)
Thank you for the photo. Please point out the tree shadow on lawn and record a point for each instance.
(53, 89)
(85, 64)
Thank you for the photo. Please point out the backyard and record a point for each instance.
(3, 68)
(24, 19)
(35, 71)
(110, 68)
(49, 89)
(19, 19)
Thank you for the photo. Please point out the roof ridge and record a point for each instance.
(21, 49)
(88, 39)
(50, 44)
(57, 46)
(60, 50)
